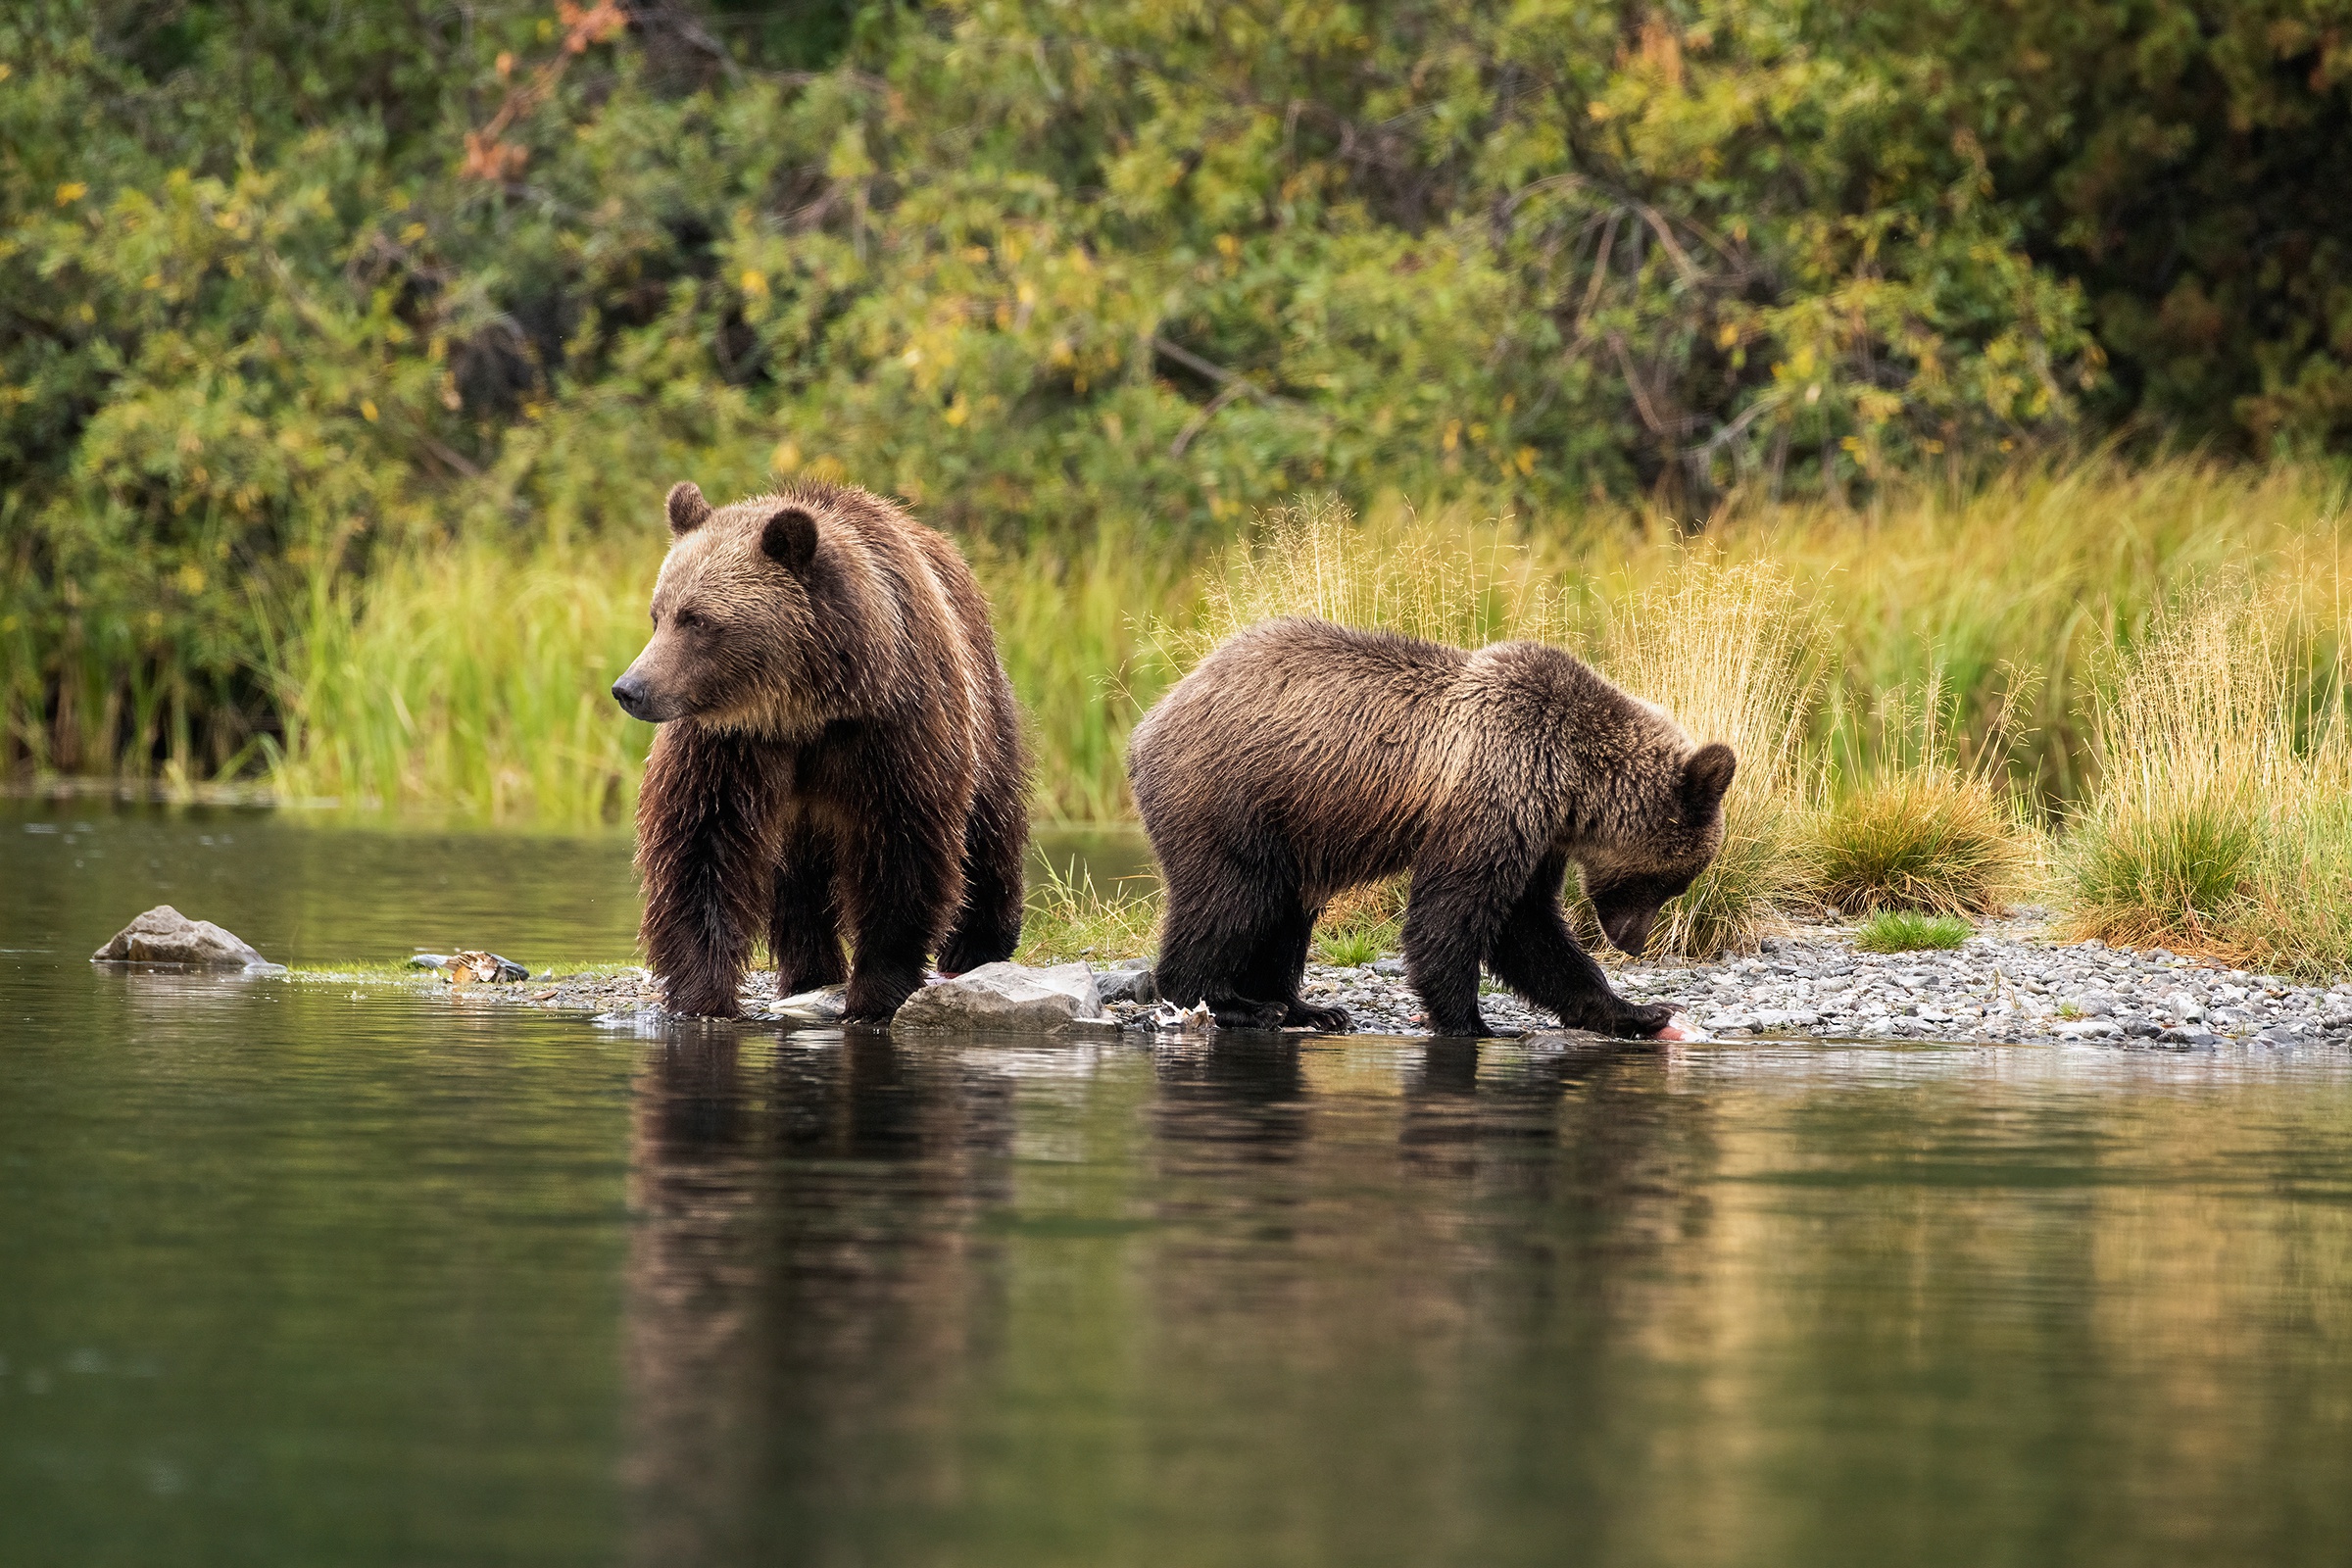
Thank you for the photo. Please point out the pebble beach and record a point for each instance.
(2013, 981)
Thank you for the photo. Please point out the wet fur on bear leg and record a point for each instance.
(708, 828)
(1536, 955)
(1277, 968)
(1232, 939)
(803, 928)
(1449, 923)
(988, 928)
(1202, 957)
(899, 888)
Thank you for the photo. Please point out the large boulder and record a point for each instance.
(1009, 999)
(164, 935)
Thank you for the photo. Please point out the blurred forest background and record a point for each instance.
(346, 349)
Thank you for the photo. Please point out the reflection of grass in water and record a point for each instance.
(1068, 917)
(1907, 930)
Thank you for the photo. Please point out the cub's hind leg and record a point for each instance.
(1277, 968)
(1213, 950)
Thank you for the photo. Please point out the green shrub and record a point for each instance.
(1906, 930)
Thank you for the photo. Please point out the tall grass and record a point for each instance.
(2220, 822)
(472, 678)
(1734, 654)
(475, 676)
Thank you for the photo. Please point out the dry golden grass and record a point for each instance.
(1438, 578)
(1933, 838)
(2221, 822)
(1735, 653)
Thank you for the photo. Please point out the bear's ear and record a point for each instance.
(687, 507)
(789, 538)
(1705, 777)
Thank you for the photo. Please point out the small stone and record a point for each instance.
(1125, 984)
(1391, 968)
(164, 935)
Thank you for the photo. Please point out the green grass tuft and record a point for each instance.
(1932, 838)
(1348, 948)
(1068, 917)
(1907, 930)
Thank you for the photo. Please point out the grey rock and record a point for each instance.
(1394, 968)
(1007, 997)
(1127, 985)
(824, 1005)
(164, 935)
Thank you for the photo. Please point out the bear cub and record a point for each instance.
(1302, 758)
(839, 752)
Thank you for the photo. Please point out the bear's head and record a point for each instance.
(1669, 835)
(738, 615)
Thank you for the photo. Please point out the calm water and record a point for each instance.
(290, 1275)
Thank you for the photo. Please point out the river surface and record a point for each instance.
(301, 1273)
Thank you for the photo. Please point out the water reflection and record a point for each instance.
(884, 1297)
(1406, 1301)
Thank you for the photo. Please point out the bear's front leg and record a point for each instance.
(1535, 954)
(803, 927)
(1449, 922)
(904, 885)
(708, 823)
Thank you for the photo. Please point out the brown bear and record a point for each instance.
(1302, 758)
(839, 751)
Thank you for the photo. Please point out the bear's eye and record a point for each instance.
(685, 620)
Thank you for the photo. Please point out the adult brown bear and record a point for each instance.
(839, 750)
(1302, 758)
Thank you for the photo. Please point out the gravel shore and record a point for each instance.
(2010, 982)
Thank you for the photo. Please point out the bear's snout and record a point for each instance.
(633, 695)
(1628, 929)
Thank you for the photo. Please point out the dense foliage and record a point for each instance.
(285, 282)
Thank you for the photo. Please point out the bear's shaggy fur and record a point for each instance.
(839, 751)
(1302, 758)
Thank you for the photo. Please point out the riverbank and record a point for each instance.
(2011, 982)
